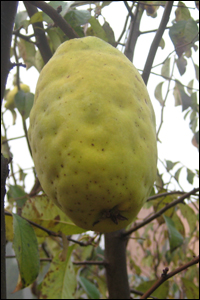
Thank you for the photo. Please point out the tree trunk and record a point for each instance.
(116, 272)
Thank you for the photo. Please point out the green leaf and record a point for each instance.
(26, 250)
(190, 86)
(196, 67)
(181, 63)
(190, 176)
(165, 70)
(24, 103)
(17, 192)
(77, 17)
(175, 238)
(60, 280)
(109, 33)
(37, 17)
(158, 93)
(44, 212)
(160, 293)
(189, 214)
(182, 12)
(183, 35)
(170, 164)
(96, 29)
(191, 290)
(181, 98)
(54, 37)
(89, 288)
(162, 43)
(176, 176)
(27, 52)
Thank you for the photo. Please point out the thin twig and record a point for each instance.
(90, 262)
(160, 212)
(156, 41)
(166, 276)
(50, 232)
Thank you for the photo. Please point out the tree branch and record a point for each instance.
(116, 272)
(50, 232)
(41, 39)
(56, 17)
(8, 12)
(166, 276)
(90, 262)
(160, 212)
(156, 41)
(134, 33)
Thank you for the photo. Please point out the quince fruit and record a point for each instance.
(10, 97)
(92, 135)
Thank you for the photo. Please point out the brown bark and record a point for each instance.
(116, 272)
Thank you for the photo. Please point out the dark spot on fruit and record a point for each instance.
(92, 144)
(62, 166)
(102, 149)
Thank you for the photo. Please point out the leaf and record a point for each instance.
(190, 86)
(196, 67)
(176, 176)
(54, 38)
(16, 192)
(165, 70)
(77, 17)
(109, 33)
(189, 214)
(162, 43)
(160, 293)
(26, 250)
(96, 29)
(161, 202)
(191, 290)
(60, 280)
(37, 17)
(27, 52)
(170, 164)
(195, 139)
(158, 93)
(181, 97)
(24, 102)
(190, 176)
(175, 238)
(183, 35)
(44, 212)
(193, 121)
(179, 224)
(182, 12)
(89, 288)
(181, 63)
(20, 19)
(55, 4)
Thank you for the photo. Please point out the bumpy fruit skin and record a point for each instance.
(92, 134)
(10, 103)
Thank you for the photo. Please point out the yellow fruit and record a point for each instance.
(92, 134)
(10, 97)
